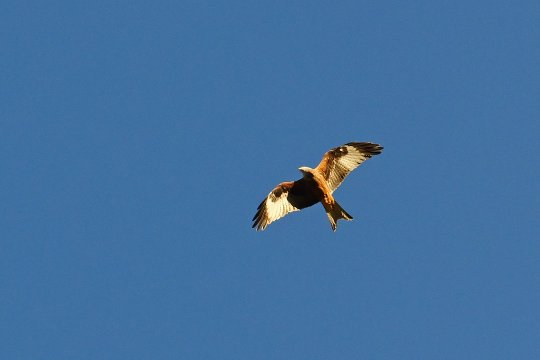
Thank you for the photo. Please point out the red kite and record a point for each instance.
(316, 185)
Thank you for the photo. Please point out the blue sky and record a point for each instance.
(137, 139)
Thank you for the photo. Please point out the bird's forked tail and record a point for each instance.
(336, 212)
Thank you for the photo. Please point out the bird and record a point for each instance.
(316, 185)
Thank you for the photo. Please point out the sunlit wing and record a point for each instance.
(338, 162)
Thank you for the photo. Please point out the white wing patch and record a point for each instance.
(274, 207)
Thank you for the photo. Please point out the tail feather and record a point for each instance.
(335, 213)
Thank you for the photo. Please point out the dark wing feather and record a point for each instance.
(338, 162)
(285, 198)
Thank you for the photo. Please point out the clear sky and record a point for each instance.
(138, 137)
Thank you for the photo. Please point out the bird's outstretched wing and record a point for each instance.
(285, 198)
(338, 162)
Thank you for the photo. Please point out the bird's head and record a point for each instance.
(306, 171)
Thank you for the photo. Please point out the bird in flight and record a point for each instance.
(316, 185)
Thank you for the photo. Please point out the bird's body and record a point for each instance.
(316, 185)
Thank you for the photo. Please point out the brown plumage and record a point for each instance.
(316, 185)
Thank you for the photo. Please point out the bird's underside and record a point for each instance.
(316, 185)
